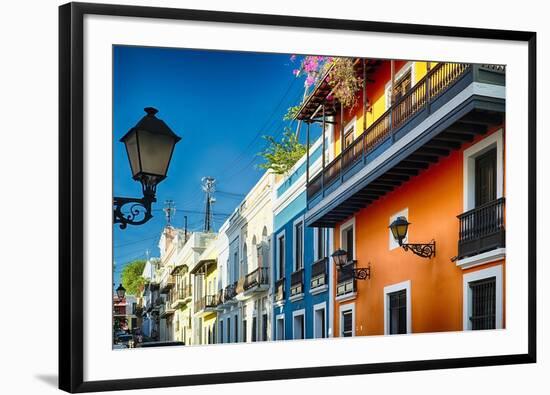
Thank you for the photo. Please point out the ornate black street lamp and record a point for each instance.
(120, 292)
(399, 229)
(344, 265)
(149, 145)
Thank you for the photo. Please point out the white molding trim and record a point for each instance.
(393, 244)
(399, 74)
(346, 225)
(481, 259)
(495, 271)
(318, 290)
(319, 306)
(347, 127)
(406, 285)
(343, 308)
(295, 314)
(470, 154)
(296, 297)
(282, 233)
(279, 317)
(345, 297)
(297, 221)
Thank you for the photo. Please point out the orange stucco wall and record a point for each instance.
(434, 198)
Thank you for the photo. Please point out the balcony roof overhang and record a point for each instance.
(475, 115)
(202, 265)
(179, 269)
(310, 107)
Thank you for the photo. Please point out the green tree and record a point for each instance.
(131, 277)
(280, 156)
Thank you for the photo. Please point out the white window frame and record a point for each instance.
(399, 74)
(282, 233)
(295, 314)
(406, 285)
(469, 156)
(347, 127)
(493, 271)
(316, 253)
(317, 307)
(342, 309)
(393, 244)
(279, 317)
(296, 222)
(345, 226)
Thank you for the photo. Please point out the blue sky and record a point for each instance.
(221, 104)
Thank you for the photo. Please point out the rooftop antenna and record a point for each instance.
(209, 189)
(169, 210)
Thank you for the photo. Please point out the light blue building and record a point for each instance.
(301, 275)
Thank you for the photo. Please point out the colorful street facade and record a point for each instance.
(244, 304)
(423, 143)
(301, 273)
(426, 146)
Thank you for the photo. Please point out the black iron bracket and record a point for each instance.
(361, 273)
(422, 250)
(132, 211)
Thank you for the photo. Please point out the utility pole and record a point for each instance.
(208, 188)
(169, 210)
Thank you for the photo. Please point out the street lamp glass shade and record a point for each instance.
(149, 146)
(340, 257)
(399, 228)
(121, 291)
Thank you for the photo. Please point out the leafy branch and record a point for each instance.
(280, 156)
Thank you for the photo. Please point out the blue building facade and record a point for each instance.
(301, 274)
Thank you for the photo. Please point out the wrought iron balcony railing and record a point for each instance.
(256, 278)
(481, 229)
(205, 302)
(319, 273)
(230, 292)
(181, 295)
(297, 283)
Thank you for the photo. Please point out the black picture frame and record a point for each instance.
(71, 172)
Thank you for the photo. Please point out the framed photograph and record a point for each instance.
(251, 197)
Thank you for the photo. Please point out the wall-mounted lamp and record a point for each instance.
(346, 266)
(399, 229)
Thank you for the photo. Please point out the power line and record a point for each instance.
(134, 242)
(236, 160)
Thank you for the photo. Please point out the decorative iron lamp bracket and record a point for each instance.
(137, 213)
(358, 273)
(422, 250)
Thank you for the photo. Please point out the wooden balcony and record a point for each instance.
(319, 275)
(279, 293)
(297, 284)
(351, 181)
(481, 229)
